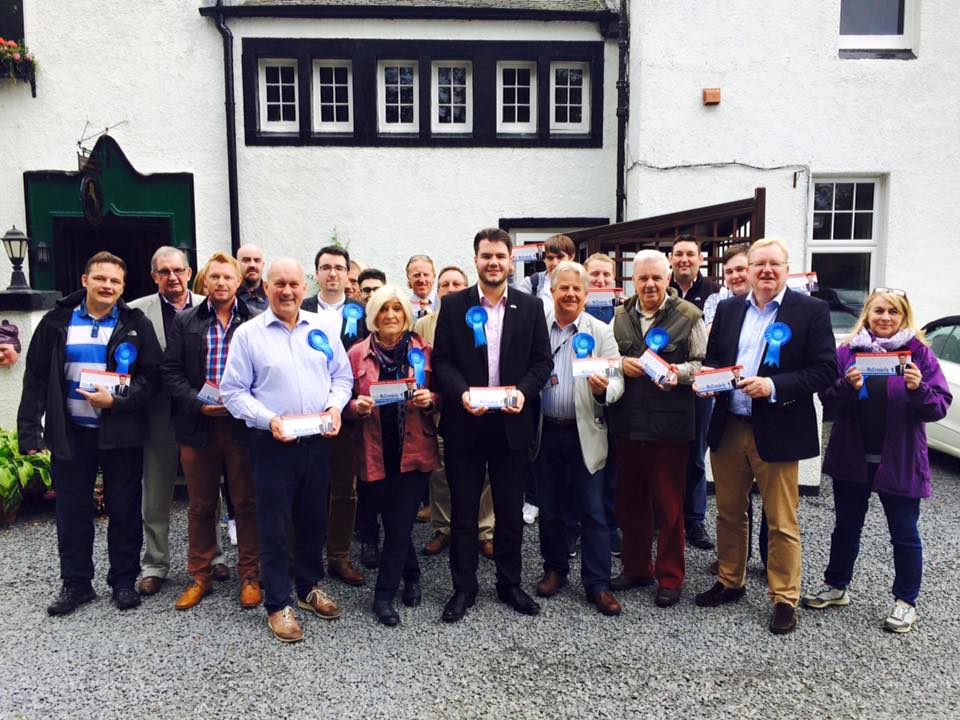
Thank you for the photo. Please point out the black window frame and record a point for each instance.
(365, 56)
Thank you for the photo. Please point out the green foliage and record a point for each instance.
(17, 471)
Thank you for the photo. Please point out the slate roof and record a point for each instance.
(573, 6)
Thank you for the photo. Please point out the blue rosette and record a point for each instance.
(476, 319)
(317, 339)
(125, 355)
(657, 339)
(776, 335)
(583, 344)
(352, 313)
(418, 361)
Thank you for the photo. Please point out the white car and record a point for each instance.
(944, 337)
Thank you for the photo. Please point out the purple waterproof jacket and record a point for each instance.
(904, 466)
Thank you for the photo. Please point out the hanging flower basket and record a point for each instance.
(17, 63)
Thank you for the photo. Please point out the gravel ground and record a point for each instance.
(686, 662)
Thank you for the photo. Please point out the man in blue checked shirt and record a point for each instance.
(92, 329)
(289, 362)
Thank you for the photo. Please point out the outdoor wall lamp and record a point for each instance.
(15, 243)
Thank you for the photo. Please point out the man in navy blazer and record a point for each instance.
(762, 430)
(516, 353)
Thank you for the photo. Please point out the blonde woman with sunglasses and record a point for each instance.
(879, 444)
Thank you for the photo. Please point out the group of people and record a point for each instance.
(292, 402)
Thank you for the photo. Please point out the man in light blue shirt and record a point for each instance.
(289, 362)
(751, 348)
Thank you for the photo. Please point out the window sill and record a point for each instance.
(877, 55)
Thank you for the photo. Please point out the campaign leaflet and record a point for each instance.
(585, 367)
(658, 369)
(880, 364)
(392, 391)
(717, 380)
(528, 253)
(210, 394)
(805, 283)
(305, 425)
(494, 398)
(604, 297)
(115, 383)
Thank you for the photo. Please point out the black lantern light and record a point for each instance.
(16, 244)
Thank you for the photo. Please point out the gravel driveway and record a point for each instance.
(218, 661)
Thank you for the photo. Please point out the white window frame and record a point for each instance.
(874, 247)
(319, 126)
(906, 41)
(399, 127)
(517, 128)
(278, 126)
(582, 127)
(436, 127)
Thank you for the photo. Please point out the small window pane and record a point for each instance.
(576, 77)
(864, 196)
(871, 17)
(863, 226)
(576, 114)
(406, 95)
(273, 113)
(286, 74)
(341, 94)
(821, 226)
(459, 76)
(443, 75)
(510, 76)
(509, 96)
(288, 93)
(326, 94)
(289, 113)
(563, 76)
(562, 96)
(823, 196)
(273, 93)
(406, 114)
(844, 196)
(523, 76)
(343, 113)
(326, 75)
(393, 95)
(326, 113)
(406, 75)
(459, 95)
(509, 114)
(444, 113)
(273, 74)
(842, 226)
(393, 113)
(523, 95)
(341, 75)
(523, 114)
(576, 96)
(560, 114)
(459, 114)
(844, 280)
(391, 75)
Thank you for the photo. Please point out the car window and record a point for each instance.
(945, 342)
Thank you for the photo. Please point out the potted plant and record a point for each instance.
(17, 63)
(17, 473)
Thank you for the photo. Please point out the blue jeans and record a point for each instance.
(695, 497)
(565, 483)
(293, 482)
(851, 500)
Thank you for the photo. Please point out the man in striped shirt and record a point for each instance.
(88, 430)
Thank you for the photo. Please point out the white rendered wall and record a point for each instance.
(789, 102)
(162, 72)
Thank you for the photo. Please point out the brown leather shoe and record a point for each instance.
(423, 514)
(550, 583)
(346, 571)
(606, 602)
(195, 592)
(437, 544)
(284, 625)
(319, 603)
(150, 585)
(250, 594)
(220, 572)
(486, 549)
(783, 620)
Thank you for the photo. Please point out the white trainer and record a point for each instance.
(826, 597)
(232, 531)
(530, 513)
(901, 618)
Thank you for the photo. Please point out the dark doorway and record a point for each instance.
(134, 239)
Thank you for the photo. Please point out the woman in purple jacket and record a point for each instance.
(879, 444)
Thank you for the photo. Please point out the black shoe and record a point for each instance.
(126, 598)
(628, 582)
(718, 595)
(411, 593)
(667, 596)
(369, 554)
(457, 605)
(783, 620)
(518, 600)
(386, 613)
(70, 598)
(697, 536)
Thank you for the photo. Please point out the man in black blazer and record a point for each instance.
(516, 353)
(762, 430)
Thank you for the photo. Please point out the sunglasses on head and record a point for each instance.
(890, 291)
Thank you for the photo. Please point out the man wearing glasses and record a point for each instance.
(332, 264)
(760, 431)
(370, 280)
(171, 271)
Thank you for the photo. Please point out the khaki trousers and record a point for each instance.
(735, 465)
(440, 505)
